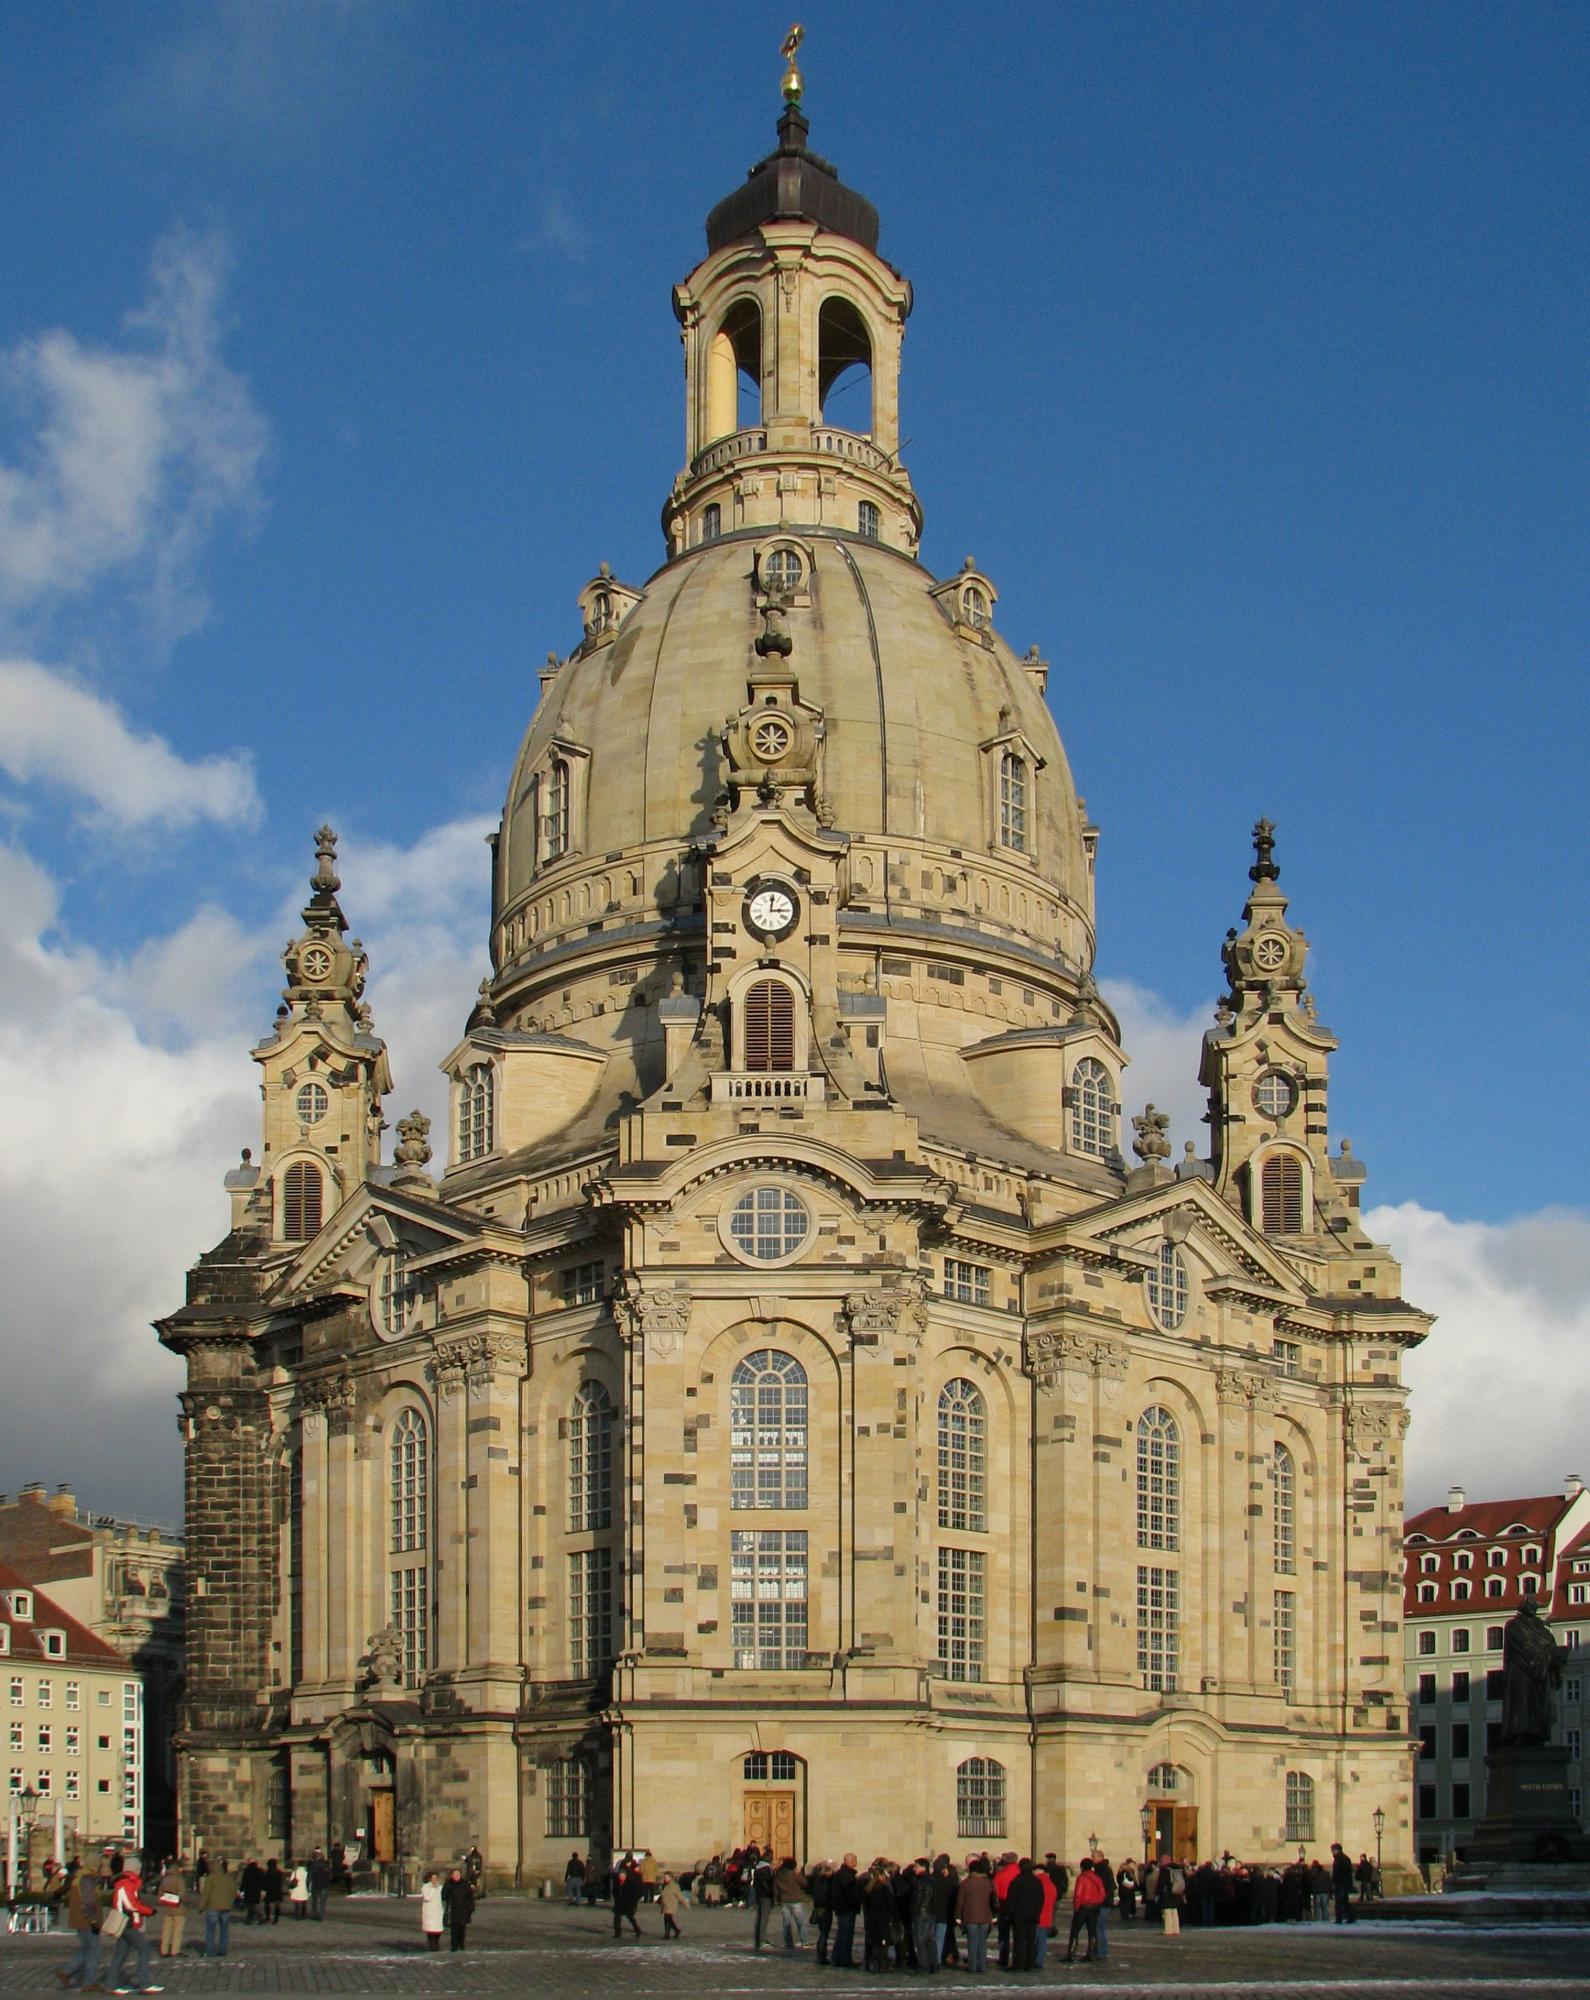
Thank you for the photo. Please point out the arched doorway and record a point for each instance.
(1172, 1813)
(772, 1801)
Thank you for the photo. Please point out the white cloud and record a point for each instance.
(126, 457)
(1500, 1390)
(1164, 1048)
(55, 732)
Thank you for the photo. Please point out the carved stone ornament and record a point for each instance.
(661, 1319)
(871, 1318)
(1371, 1426)
(1243, 1389)
(476, 1359)
(1152, 1127)
(1065, 1362)
(327, 1399)
(382, 1665)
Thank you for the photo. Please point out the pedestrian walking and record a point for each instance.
(574, 1879)
(1342, 1884)
(252, 1884)
(668, 1901)
(765, 1898)
(432, 1915)
(83, 1912)
(627, 1890)
(1086, 1899)
(458, 1906)
(275, 1889)
(171, 1899)
(125, 1920)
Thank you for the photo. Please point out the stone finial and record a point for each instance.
(1153, 1135)
(414, 1141)
(382, 1665)
(484, 1012)
(774, 636)
(325, 880)
(1264, 867)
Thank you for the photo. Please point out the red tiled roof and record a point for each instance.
(1488, 1519)
(83, 1648)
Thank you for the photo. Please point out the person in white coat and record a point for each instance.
(431, 1911)
(298, 1891)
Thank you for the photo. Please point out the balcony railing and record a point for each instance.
(775, 1087)
(831, 443)
(738, 444)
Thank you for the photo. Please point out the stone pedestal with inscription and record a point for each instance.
(1528, 1817)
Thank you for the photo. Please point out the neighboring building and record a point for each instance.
(74, 1719)
(1467, 1569)
(790, 1416)
(124, 1581)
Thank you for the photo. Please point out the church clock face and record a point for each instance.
(770, 909)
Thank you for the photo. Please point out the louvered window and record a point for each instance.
(301, 1198)
(769, 1026)
(1282, 1194)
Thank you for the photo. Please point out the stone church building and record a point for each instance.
(780, 1410)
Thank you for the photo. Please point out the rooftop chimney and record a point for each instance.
(1572, 1486)
(34, 1490)
(63, 1501)
(1456, 1500)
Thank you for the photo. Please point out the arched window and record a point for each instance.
(782, 570)
(1281, 1195)
(1169, 1287)
(476, 1113)
(1164, 1780)
(410, 1482)
(1283, 1494)
(974, 607)
(979, 1799)
(1158, 1480)
(556, 826)
(711, 521)
(769, 1007)
(844, 367)
(302, 1191)
(1299, 1806)
(869, 522)
(591, 1459)
(963, 1427)
(1012, 801)
(767, 1431)
(409, 1604)
(734, 372)
(1092, 1109)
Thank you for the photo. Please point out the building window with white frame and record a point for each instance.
(1013, 803)
(1299, 1807)
(767, 1584)
(711, 521)
(963, 1469)
(869, 521)
(1169, 1287)
(767, 1431)
(393, 1297)
(1285, 1612)
(411, 1615)
(590, 1612)
(477, 1094)
(980, 1799)
(968, 1284)
(1159, 1629)
(782, 571)
(1158, 1480)
(591, 1459)
(962, 1614)
(555, 822)
(1283, 1502)
(409, 1478)
(1092, 1109)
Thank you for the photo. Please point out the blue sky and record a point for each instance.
(1248, 357)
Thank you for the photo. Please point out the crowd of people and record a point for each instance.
(925, 1915)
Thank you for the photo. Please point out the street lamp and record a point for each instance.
(1380, 1828)
(1093, 1843)
(1145, 1820)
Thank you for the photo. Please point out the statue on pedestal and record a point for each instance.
(1531, 1674)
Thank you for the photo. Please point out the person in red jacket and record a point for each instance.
(1004, 1875)
(1051, 1896)
(1085, 1900)
(126, 1896)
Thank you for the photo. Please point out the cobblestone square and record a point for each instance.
(372, 1945)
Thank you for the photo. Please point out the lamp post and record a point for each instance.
(1093, 1844)
(1145, 1819)
(1380, 1828)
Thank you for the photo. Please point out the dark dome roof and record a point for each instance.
(793, 182)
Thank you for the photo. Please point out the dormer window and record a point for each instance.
(54, 1645)
(974, 607)
(782, 571)
(1013, 801)
(869, 522)
(476, 1113)
(555, 820)
(1092, 1109)
(20, 1605)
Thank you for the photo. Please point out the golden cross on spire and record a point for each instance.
(792, 85)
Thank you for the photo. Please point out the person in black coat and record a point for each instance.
(628, 1887)
(458, 1906)
(878, 1916)
(1342, 1884)
(846, 1898)
(1024, 1902)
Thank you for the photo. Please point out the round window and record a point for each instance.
(769, 1223)
(1169, 1287)
(1274, 1094)
(311, 1104)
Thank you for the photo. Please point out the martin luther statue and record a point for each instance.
(1531, 1673)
